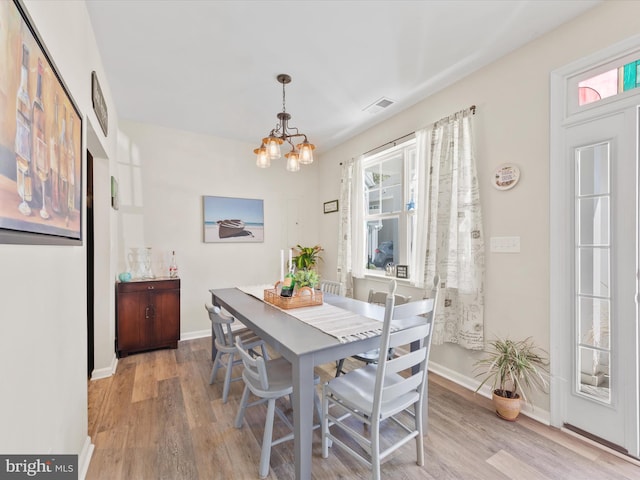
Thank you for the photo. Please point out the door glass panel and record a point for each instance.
(594, 322)
(594, 271)
(594, 374)
(593, 170)
(594, 221)
(593, 266)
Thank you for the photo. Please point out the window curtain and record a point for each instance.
(350, 231)
(449, 239)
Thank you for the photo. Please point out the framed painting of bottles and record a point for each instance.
(40, 140)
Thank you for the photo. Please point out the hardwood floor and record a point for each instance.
(158, 418)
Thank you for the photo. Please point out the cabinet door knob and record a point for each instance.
(150, 287)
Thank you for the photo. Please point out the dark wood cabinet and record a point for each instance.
(147, 315)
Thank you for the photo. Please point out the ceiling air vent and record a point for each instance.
(379, 105)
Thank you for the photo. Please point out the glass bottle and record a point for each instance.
(54, 155)
(40, 157)
(23, 134)
(173, 266)
(288, 285)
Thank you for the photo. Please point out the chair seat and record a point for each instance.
(356, 390)
(280, 374)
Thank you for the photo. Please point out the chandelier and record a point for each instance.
(301, 153)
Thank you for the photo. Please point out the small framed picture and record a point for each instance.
(331, 206)
(402, 271)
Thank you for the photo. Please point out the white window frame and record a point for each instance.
(406, 218)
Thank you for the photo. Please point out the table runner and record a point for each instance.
(338, 322)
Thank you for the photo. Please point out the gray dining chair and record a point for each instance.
(393, 389)
(223, 333)
(329, 286)
(268, 380)
(372, 356)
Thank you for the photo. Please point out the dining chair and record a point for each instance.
(393, 389)
(371, 356)
(268, 380)
(329, 286)
(223, 333)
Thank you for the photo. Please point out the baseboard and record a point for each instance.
(196, 334)
(537, 414)
(84, 458)
(99, 373)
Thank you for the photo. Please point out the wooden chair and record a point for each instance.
(328, 286)
(379, 298)
(393, 389)
(268, 380)
(225, 348)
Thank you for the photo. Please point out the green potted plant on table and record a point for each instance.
(305, 261)
(513, 367)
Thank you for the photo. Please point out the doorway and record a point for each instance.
(90, 269)
(594, 257)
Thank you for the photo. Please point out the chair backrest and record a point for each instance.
(254, 367)
(413, 363)
(328, 286)
(221, 324)
(380, 298)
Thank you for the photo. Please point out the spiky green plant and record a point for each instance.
(514, 367)
(307, 257)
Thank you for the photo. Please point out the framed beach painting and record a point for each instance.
(40, 140)
(238, 220)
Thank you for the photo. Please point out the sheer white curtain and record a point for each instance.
(351, 246)
(449, 239)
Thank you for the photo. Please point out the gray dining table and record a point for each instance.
(305, 347)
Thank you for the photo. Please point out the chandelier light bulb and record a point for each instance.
(306, 152)
(262, 159)
(293, 163)
(273, 147)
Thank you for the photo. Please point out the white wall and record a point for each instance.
(164, 210)
(43, 401)
(512, 125)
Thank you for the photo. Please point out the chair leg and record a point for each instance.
(417, 408)
(227, 377)
(375, 450)
(216, 366)
(243, 406)
(339, 367)
(324, 421)
(265, 456)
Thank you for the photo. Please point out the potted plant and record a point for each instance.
(513, 367)
(307, 257)
(305, 262)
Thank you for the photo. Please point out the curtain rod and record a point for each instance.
(473, 112)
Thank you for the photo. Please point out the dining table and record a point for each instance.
(305, 347)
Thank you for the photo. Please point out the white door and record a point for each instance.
(600, 360)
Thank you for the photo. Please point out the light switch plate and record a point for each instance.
(505, 244)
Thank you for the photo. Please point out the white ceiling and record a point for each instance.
(210, 66)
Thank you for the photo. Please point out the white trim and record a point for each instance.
(536, 414)
(99, 373)
(194, 335)
(84, 458)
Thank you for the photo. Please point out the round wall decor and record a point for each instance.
(506, 176)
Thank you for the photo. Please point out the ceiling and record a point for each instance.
(210, 66)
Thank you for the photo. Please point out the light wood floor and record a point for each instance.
(158, 418)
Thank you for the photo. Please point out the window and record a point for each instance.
(389, 185)
(610, 83)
